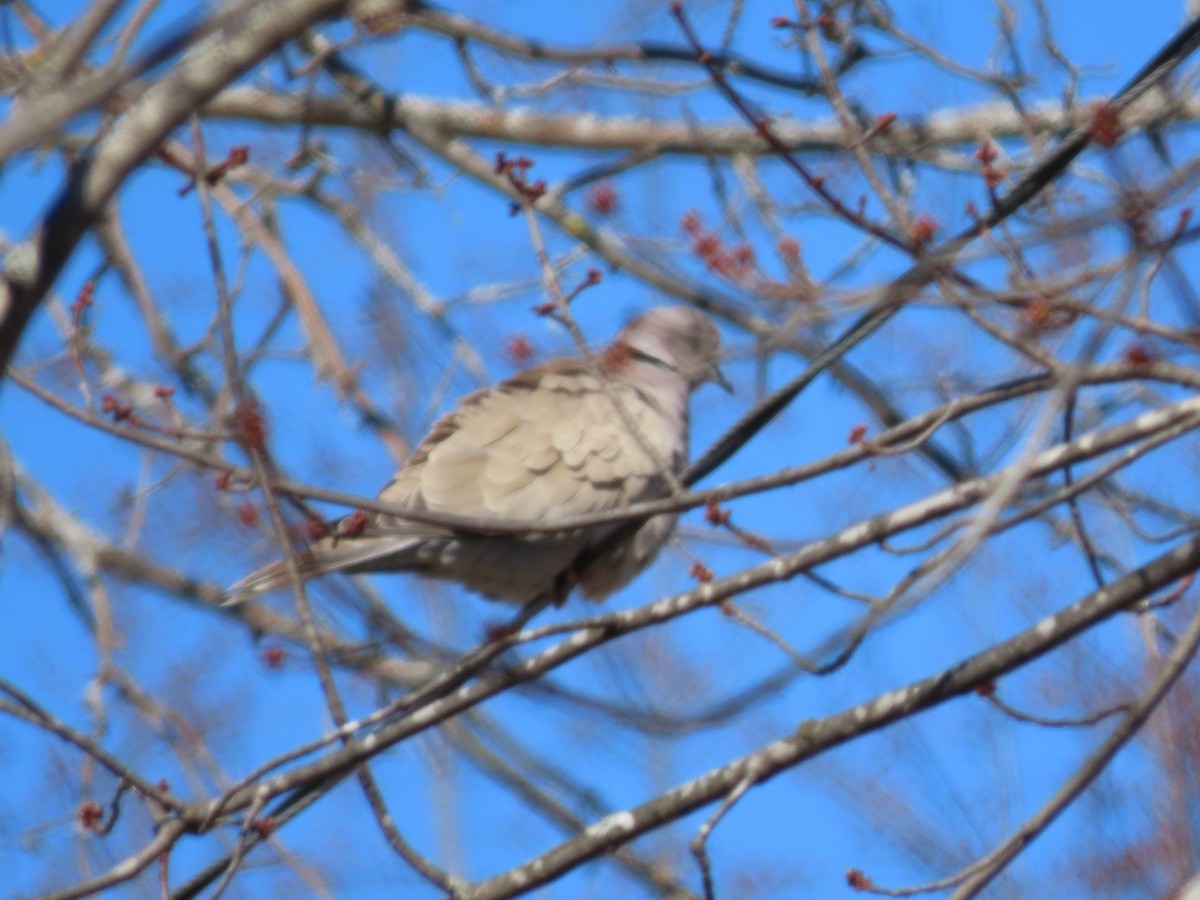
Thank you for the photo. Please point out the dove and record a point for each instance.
(565, 438)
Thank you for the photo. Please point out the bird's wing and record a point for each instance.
(545, 445)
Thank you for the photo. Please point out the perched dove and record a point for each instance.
(546, 444)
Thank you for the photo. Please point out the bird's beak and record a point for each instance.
(716, 376)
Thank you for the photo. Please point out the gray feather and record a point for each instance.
(546, 444)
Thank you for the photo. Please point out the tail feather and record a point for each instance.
(357, 554)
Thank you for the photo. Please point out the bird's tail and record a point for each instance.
(357, 554)
(260, 581)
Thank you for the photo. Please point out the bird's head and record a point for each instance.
(677, 338)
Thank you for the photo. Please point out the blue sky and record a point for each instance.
(457, 236)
